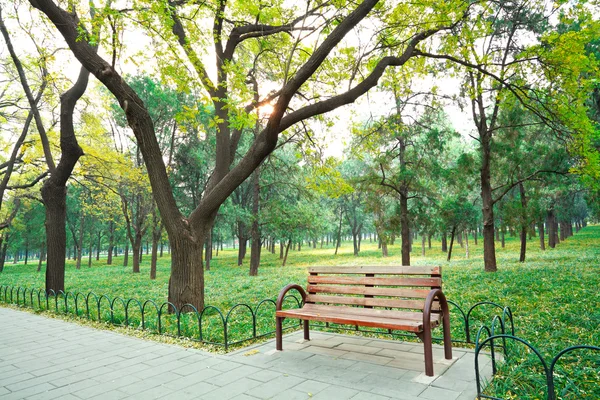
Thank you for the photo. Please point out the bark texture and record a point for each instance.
(255, 230)
(405, 228)
(524, 224)
(489, 248)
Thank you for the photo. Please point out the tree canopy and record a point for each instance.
(192, 99)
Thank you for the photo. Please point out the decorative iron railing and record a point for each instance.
(242, 323)
(545, 371)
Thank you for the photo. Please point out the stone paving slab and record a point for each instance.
(44, 358)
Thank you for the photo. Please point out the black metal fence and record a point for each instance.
(242, 323)
(535, 365)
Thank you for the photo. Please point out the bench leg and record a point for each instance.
(279, 333)
(428, 351)
(447, 339)
(306, 333)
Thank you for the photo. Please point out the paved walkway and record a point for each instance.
(45, 358)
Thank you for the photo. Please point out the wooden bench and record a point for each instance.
(396, 298)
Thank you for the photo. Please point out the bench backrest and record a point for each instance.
(366, 286)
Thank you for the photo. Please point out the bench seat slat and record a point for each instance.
(388, 281)
(397, 270)
(370, 291)
(339, 317)
(368, 302)
(378, 312)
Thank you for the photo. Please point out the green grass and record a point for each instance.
(553, 295)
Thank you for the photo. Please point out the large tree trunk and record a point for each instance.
(90, 252)
(541, 229)
(136, 248)
(3, 248)
(243, 242)
(42, 258)
(445, 242)
(243, 245)
(153, 258)
(550, 224)
(54, 197)
(384, 249)
(80, 242)
(111, 242)
(255, 230)
(489, 250)
(383, 240)
(466, 244)
(423, 244)
(255, 254)
(565, 230)
(339, 232)
(126, 253)
(451, 243)
(405, 230)
(524, 224)
(208, 250)
(287, 250)
(157, 228)
(186, 284)
(98, 244)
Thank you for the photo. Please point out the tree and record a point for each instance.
(385, 218)
(525, 152)
(518, 44)
(406, 155)
(18, 153)
(136, 204)
(187, 234)
(457, 213)
(54, 188)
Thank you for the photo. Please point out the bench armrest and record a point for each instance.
(433, 294)
(284, 291)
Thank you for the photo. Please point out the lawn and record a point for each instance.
(553, 295)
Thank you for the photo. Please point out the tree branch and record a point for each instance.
(510, 186)
(137, 115)
(30, 184)
(369, 82)
(30, 98)
(6, 223)
(10, 164)
(179, 32)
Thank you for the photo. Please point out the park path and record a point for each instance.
(46, 358)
